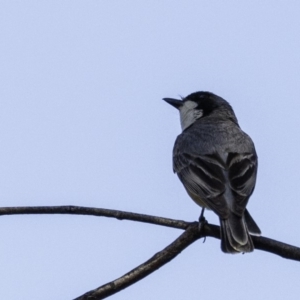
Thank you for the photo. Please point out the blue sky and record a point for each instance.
(82, 123)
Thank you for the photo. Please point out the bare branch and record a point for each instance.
(97, 212)
(260, 243)
(190, 235)
(275, 247)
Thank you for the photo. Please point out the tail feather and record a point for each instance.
(235, 237)
(251, 225)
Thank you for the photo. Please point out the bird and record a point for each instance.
(217, 164)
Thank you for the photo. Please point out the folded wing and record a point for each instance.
(223, 184)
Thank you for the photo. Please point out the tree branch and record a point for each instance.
(260, 243)
(190, 235)
(275, 247)
(92, 211)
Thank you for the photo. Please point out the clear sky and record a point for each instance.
(82, 123)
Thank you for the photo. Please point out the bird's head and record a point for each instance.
(200, 105)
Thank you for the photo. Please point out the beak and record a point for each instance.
(174, 102)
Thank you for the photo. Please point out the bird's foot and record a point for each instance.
(202, 220)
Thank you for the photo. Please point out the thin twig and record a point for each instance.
(92, 211)
(190, 235)
(260, 243)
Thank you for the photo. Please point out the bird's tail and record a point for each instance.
(235, 237)
(251, 225)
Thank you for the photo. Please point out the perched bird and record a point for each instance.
(217, 163)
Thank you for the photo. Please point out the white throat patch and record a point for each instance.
(188, 114)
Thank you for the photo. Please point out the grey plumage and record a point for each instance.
(217, 164)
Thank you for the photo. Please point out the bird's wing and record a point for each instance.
(203, 177)
(242, 170)
(223, 186)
